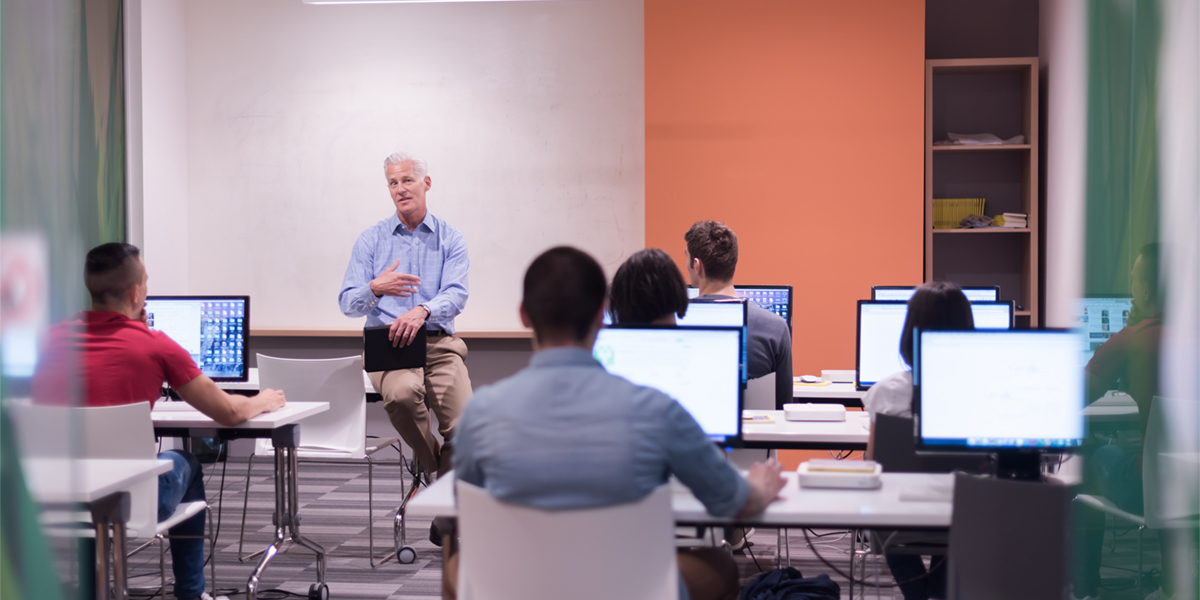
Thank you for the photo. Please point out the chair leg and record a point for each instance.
(162, 566)
(245, 505)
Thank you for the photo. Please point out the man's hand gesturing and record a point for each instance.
(391, 283)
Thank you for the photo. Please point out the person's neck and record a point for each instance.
(416, 220)
(553, 343)
(121, 310)
(717, 288)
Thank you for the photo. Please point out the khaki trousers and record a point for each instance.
(443, 386)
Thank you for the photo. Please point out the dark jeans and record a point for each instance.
(184, 483)
(927, 584)
(1112, 472)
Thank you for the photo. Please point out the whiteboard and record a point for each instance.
(530, 115)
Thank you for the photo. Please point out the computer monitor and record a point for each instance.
(901, 293)
(213, 329)
(992, 315)
(1100, 319)
(718, 312)
(1017, 393)
(697, 366)
(775, 298)
(881, 325)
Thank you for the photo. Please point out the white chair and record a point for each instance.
(510, 552)
(119, 432)
(335, 436)
(760, 393)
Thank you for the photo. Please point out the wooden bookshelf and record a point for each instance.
(997, 96)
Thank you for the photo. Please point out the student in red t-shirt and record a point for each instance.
(117, 359)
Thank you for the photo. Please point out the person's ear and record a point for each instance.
(428, 183)
(524, 317)
(698, 267)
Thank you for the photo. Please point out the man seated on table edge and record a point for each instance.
(599, 440)
(110, 357)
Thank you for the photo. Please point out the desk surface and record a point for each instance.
(86, 479)
(837, 391)
(188, 417)
(799, 506)
(854, 430)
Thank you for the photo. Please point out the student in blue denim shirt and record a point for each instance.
(565, 434)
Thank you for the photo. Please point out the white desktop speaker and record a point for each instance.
(814, 412)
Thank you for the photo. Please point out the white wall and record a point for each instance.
(158, 141)
(531, 115)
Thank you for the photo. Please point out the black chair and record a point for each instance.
(896, 451)
(1008, 539)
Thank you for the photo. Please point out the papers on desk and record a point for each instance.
(172, 406)
(978, 139)
(934, 492)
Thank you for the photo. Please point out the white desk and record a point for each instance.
(850, 434)
(844, 393)
(103, 485)
(1112, 408)
(799, 507)
(85, 480)
(282, 428)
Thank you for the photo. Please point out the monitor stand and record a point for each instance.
(1024, 465)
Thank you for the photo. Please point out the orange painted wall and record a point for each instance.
(800, 124)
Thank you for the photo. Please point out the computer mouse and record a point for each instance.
(810, 379)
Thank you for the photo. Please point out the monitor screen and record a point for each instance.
(720, 313)
(901, 293)
(698, 367)
(992, 315)
(213, 329)
(881, 324)
(1100, 318)
(775, 298)
(993, 390)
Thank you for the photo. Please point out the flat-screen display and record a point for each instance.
(1100, 319)
(775, 298)
(992, 390)
(697, 366)
(901, 293)
(881, 325)
(721, 313)
(213, 330)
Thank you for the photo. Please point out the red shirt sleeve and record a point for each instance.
(178, 366)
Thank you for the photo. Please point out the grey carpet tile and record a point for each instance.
(334, 513)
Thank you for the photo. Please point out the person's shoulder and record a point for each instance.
(763, 315)
(445, 229)
(894, 385)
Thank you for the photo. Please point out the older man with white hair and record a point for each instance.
(410, 270)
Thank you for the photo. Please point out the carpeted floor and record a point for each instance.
(333, 501)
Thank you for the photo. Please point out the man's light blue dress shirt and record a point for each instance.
(564, 433)
(435, 252)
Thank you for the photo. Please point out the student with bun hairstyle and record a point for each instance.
(935, 306)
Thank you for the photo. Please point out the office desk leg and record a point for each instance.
(101, 560)
(287, 519)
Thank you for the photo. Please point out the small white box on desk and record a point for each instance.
(857, 475)
(814, 412)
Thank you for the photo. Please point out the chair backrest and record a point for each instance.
(1171, 463)
(510, 552)
(760, 393)
(895, 451)
(1008, 539)
(342, 430)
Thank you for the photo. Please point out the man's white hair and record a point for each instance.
(420, 168)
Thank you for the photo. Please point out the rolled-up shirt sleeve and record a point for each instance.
(356, 298)
(699, 465)
(451, 298)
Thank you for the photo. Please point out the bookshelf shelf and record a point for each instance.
(999, 148)
(983, 230)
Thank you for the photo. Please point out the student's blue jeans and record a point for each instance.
(184, 483)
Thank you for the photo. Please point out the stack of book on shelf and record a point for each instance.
(1014, 220)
